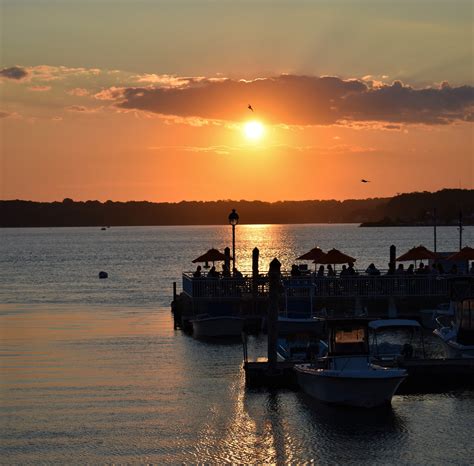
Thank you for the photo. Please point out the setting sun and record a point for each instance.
(254, 130)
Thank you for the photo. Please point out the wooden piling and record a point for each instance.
(272, 316)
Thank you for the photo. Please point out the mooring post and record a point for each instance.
(272, 316)
(255, 254)
(393, 257)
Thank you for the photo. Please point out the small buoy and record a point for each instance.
(103, 274)
(103, 228)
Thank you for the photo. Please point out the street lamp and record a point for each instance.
(233, 220)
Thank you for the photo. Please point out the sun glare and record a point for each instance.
(254, 130)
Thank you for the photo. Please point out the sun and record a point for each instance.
(254, 130)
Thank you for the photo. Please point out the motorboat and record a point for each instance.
(346, 376)
(458, 336)
(213, 326)
(300, 348)
(391, 340)
(429, 316)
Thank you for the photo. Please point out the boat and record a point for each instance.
(458, 335)
(391, 340)
(429, 316)
(209, 326)
(300, 347)
(346, 376)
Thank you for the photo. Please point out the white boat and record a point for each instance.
(459, 335)
(346, 375)
(395, 339)
(429, 316)
(207, 326)
(300, 347)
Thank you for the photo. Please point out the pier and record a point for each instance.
(310, 295)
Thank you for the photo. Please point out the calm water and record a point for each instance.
(92, 371)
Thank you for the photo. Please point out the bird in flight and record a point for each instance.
(250, 107)
(365, 181)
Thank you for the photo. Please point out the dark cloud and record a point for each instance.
(304, 100)
(14, 72)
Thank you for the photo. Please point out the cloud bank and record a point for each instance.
(301, 100)
(14, 72)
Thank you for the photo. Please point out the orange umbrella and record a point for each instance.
(334, 256)
(417, 254)
(316, 254)
(465, 254)
(210, 256)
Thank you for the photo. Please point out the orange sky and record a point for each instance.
(95, 123)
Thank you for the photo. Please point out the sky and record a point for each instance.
(149, 99)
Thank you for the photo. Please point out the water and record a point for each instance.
(93, 372)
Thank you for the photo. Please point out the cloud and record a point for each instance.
(5, 114)
(299, 100)
(81, 109)
(112, 93)
(39, 88)
(54, 73)
(79, 92)
(15, 72)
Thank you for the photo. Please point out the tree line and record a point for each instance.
(410, 209)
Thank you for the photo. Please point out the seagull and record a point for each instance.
(365, 181)
(250, 107)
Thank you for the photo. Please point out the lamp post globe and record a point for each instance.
(233, 221)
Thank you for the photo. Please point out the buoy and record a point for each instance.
(103, 274)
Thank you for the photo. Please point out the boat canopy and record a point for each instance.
(386, 323)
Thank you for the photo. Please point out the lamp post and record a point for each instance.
(233, 220)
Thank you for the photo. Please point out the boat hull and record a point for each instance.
(452, 347)
(359, 391)
(215, 327)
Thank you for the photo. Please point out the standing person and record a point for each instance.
(321, 271)
(197, 273)
(225, 270)
(331, 272)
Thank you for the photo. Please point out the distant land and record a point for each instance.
(402, 210)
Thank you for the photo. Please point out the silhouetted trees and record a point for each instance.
(413, 208)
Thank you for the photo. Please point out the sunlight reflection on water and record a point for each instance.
(93, 372)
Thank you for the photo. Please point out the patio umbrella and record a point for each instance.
(334, 256)
(465, 254)
(417, 254)
(211, 256)
(316, 254)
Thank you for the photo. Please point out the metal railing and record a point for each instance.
(314, 287)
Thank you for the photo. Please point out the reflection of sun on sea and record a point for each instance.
(254, 130)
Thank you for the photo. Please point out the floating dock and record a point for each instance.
(424, 375)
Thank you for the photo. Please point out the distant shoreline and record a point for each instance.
(412, 209)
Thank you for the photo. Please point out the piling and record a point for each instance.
(174, 291)
(255, 272)
(393, 258)
(273, 310)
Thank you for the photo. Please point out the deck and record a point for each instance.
(362, 286)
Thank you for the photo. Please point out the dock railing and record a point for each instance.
(324, 287)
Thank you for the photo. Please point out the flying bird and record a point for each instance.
(250, 107)
(365, 181)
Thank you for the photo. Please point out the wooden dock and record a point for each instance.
(424, 375)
